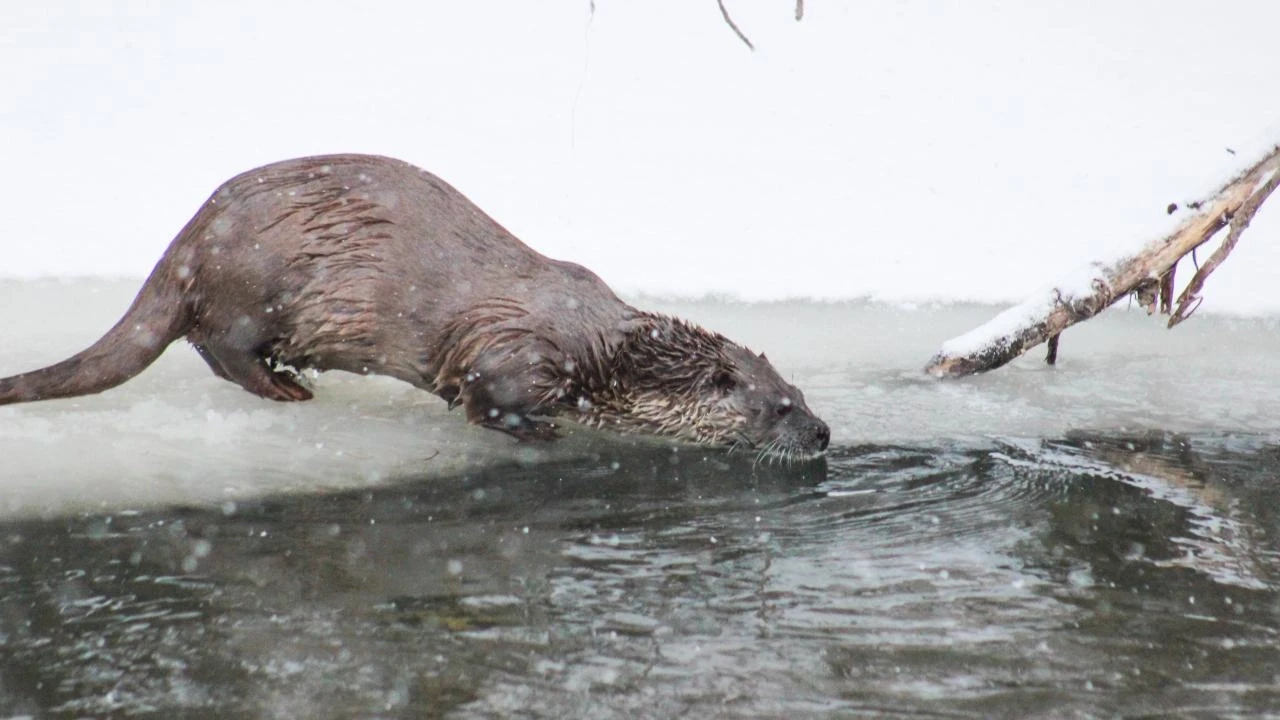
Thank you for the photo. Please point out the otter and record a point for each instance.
(371, 265)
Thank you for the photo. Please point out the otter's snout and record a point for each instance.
(806, 436)
(821, 434)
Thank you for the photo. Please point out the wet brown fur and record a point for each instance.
(370, 265)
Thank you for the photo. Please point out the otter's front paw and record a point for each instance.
(527, 430)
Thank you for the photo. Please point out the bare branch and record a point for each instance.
(725, 12)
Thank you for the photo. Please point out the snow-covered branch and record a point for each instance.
(1148, 273)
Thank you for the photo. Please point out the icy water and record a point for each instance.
(1096, 539)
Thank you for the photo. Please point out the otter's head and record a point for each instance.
(674, 379)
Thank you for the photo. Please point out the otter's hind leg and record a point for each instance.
(251, 371)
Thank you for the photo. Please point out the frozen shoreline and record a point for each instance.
(177, 434)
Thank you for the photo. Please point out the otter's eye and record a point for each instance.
(784, 407)
(724, 380)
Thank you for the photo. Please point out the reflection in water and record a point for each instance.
(1090, 575)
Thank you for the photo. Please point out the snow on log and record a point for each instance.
(1147, 273)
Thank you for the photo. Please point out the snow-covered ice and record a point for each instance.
(177, 434)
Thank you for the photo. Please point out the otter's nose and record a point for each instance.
(823, 435)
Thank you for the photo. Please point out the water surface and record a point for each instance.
(1129, 575)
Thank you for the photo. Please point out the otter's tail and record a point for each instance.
(157, 317)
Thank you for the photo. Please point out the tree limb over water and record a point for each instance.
(1148, 274)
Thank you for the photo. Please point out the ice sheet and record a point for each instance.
(177, 434)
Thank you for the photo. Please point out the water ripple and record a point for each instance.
(1094, 574)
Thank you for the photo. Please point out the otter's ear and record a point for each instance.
(762, 357)
(723, 379)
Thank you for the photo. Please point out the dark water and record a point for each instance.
(1089, 576)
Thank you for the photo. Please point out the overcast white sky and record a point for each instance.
(897, 149)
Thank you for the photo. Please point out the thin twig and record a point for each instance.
(799, 10)
(725, 12)
(1052, 357)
